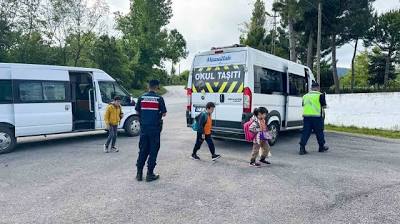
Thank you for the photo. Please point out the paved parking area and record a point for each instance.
(67, 179)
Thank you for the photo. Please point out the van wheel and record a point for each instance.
(132, 126)
(274, 128)
(7, 140)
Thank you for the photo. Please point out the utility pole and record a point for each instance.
(274, 31)
(319, 42)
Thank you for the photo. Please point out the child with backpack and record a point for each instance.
(261, 135)
(203, 126)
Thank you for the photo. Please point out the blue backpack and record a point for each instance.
(195, 125)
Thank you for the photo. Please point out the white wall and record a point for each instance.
(369, 110)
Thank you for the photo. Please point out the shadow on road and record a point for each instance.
(234, 145)
(37, 142)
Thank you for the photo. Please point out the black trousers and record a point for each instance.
(149, 145)
(199, 142)
(311, 124)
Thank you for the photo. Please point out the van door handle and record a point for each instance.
(222, 98)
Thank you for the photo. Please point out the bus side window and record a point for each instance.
(268, 81)
(6, 95)
(30, 91)
(297, 85)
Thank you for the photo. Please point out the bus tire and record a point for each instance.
(274, 128)
(132, 126)
(7, 140)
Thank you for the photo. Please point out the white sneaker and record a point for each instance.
(105, 148)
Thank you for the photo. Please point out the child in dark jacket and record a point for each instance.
(260, 142)
(204, 133)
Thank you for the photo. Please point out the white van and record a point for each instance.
(238, 79)
(42, 100)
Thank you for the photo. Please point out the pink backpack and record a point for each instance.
(249, 136)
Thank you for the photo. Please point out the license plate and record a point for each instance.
(199, 109)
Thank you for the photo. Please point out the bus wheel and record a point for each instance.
(274, 130)
(132, 126)
(7, 140)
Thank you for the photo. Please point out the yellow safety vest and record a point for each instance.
(311, 104)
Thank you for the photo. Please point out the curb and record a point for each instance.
(371, 137)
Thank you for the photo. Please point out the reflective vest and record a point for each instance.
(311, 104)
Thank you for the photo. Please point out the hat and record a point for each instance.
(315, 84)
(154, 83)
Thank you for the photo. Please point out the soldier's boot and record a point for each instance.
(151, 176)
(323, 149)
(139, 175)
(302, 150)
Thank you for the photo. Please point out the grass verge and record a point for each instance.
(365, 131)
(138, 92)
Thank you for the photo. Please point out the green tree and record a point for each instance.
(175, 48)
(83, 21)
(378, 69)
(34, 50)
(7, 27)
(326, 75)
(180, 79)
(290, 14)
(146, 39)
(335, 13)
(29, 25)
(361, 73)
(306, 26)
(256, 34)
(357, 23)
(109, 56)
(184, 76)
(385, 34)
(281, 42)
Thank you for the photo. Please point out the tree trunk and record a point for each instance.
(77, 55)
(353, 71)
(334, 66)
(387, 68)
(310, 50)
(292, 40)
(78, 50)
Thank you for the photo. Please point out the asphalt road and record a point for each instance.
(68, 179)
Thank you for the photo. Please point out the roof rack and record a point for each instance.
(232, 46)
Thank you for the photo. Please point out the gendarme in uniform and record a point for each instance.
(151, 108)
(313, 105)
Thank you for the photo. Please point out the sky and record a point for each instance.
(211, 23)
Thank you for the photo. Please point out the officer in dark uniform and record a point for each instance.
(314, 103)
(151, 109)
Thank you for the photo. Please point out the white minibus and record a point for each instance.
(43, 100)
(238, 79)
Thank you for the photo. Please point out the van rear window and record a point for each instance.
(219, 79)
